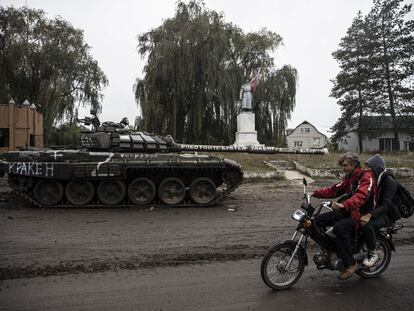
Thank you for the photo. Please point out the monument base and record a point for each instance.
(247, 139)
(246, 134)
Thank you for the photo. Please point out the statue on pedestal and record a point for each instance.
(246, 92)
(246, 134)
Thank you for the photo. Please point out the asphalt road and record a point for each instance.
(232, 285)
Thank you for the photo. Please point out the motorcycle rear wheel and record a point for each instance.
(382, 249)
(273, 267)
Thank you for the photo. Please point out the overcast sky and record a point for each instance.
(311, 31)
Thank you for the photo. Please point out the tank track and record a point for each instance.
(24, 192)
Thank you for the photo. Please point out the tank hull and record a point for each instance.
(93, 179)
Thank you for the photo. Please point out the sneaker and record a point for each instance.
(370, 260)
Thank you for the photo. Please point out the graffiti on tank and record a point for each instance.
(138, 155)
(31, 169)
(55, 155)
(95, 172)
(212, 148)
(87, 141)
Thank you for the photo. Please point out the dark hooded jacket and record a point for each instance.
(386, 189)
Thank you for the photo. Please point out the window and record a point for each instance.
(386, 144)
(409, 146)
(317, 141)
(305, 130)
(4, 137)
(297, 144)
(32, 141)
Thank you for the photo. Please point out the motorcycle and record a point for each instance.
(283, 263)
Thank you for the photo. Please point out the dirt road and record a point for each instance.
(231, 285)
(44, 242)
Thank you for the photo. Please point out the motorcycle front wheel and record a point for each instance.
(274, 266)
(384, 252)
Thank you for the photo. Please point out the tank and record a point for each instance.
(117, 167)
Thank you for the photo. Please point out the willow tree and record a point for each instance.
(47, 62)
(275, 101)
(196, 64)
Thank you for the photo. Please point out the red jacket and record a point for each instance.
(359, 200)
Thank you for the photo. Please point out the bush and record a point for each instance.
(65, 136)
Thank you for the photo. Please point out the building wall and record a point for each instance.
(372, 144)
(312, 139)
(24, 126)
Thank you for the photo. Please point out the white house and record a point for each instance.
(305, 135)
(379, 135)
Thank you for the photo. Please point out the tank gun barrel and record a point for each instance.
(246, 149)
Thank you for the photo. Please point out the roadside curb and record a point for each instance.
(318, 173)
(263, 175)
(328, 173)
(336, 173)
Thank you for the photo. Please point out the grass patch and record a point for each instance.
(255, 162)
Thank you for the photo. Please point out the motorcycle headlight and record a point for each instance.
(298, 215)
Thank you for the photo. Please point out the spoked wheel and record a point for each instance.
(274, 269)
(383, 251)
(203, 190)
(142, 191)
(48, 192)
(171, 191)
(79, 192)
(111, 192)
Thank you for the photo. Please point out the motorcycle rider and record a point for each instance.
(385, 213)
(357, 190)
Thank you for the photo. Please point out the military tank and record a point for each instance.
(117, 167)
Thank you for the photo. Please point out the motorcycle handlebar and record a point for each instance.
(327, 205)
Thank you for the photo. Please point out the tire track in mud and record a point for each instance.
(147, 261)
(143, 261)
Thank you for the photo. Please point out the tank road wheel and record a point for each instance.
(141, 191)
(48, 192)
(203, 190)
(171, 191)
(110, 192)
(79, 192)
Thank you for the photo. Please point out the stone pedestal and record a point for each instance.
(246, 134)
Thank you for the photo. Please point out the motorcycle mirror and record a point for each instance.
(305, 183)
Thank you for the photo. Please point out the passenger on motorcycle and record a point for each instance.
(386, 212)
(357, 196)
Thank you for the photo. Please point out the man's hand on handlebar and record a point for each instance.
(337, 206)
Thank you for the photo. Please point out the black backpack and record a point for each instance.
(404, 201)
